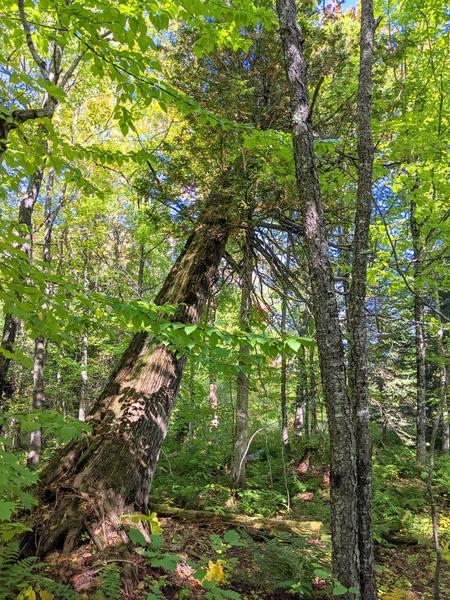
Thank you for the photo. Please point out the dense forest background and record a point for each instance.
(197, 208)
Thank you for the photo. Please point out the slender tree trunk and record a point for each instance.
(419, 326)
(300, 397)
(443, 384)
(12, 324)
(312, 392)
(213, 399)
(84, 353)
(357, 325)
(238, 476)
(329, 340)
(40, 344)
(283, 387)
(92, 481)
(83, 376)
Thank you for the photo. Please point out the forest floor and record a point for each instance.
(205, 546)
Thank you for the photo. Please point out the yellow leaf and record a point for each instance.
(46, 595)
(215, 571)
(155, 525)
(27, 594)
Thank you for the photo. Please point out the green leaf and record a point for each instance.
(339, 589)
(6, 510)
(137, 537)
(232, 537)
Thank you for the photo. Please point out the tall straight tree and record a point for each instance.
(240, 449)
(92, 482)
(419, 328)
(357, 325)
(328, 332)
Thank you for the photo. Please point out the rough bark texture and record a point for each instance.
(421, 417)
(357, 325)
(241, 424)
(329, 341)
(92, 481)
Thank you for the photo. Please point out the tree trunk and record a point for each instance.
(357, 325)
(300, 397)
(40, 344)
(329, 340)
(443, 384)
(312, 392)
(241, 423)
(84, 353)
(283, 387)
(421, 417)
(96, 479)
(83, 376)
(213, 400)
(12, 324)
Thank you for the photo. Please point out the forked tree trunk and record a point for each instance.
(328, 332)
(419, 326)
(357, 324)
(93, 481)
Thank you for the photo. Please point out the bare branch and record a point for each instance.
(31, 47)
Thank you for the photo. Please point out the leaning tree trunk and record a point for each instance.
(419, 326)
(96, 479)
(357, 324)
(328, 332)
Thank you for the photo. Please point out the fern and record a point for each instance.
(58, 590)
(14, 573)
(110, 588)
(17, 574)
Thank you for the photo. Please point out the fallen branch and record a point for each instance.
(260, 523)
